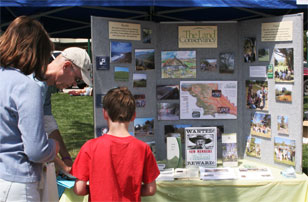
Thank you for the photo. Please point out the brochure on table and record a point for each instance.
(143, 55)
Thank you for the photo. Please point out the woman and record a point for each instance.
(25, 48)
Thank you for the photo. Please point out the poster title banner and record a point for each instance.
(197, 37)
(126, 31)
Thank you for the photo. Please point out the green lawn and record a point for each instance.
(74, 115)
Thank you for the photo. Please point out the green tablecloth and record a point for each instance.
(279, 189)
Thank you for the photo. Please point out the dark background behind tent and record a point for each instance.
(71, 19)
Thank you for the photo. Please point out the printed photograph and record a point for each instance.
(168, 111)
(200, 141)
(146, 35)
(226, 63)
(250, 49)
(139, 80)
(282, 124)
(284, 151)
(121, 73)
(167, 92)
(173, 130)
(253, 147)
(144, 127)
(263, 54)
(140, 100)
(178, 64)
(283, 93)
(261, 125)
(144, 59)
(256, 95)
(121, 52)
(208, 65)
(283, 64)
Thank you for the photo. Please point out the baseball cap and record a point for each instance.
(81, 59)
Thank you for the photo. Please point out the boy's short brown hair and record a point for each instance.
(119, 104)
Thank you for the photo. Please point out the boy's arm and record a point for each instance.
(81, 188)
(148, 189)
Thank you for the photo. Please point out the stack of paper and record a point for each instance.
(255, 174)
(166, 175)
(217, 173)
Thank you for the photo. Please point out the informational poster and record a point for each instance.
(197, 37)
(126, 31)
(208, 99)
(201, 146)
(277, 31)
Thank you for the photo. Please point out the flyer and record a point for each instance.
(201, 146)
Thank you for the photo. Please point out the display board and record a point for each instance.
(242, 77)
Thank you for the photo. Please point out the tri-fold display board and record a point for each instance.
(241, 77)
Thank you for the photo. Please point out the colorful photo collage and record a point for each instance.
(280, 67)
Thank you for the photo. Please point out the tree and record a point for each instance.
(287, 53)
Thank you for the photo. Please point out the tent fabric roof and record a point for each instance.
(71, 18)
(276, 4)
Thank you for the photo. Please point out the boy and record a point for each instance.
(118, 166)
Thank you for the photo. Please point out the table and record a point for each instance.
(279, 189)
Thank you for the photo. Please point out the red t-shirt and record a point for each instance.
(115, 167)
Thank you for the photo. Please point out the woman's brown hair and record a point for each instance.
(25, 45)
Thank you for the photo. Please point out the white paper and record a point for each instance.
(166, 175)
(201, 146)
(257, 71)
(217, 173)
(255, 174)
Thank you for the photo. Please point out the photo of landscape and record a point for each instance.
(144, 127)
(144, 59)
(167, 92)
(121, 73)
(139, 80)
(283, 93)
(208, 65)
(121, 52)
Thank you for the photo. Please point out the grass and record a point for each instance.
(74, 115)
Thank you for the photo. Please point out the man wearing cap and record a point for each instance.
(67, 69)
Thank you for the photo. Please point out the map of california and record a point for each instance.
(210, 98)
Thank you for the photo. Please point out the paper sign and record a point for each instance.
(126, 31)
(257, 71)
(277, 31)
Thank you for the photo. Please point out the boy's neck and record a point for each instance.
(118, 129)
